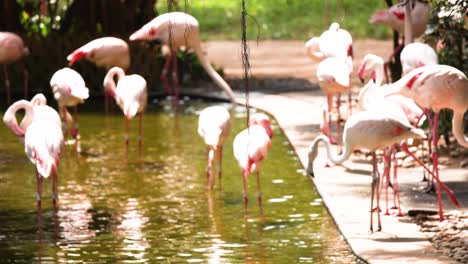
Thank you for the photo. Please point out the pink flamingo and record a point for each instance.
(250, 148)
(105, 52)
(130, 95)
(333, 76)
(36, 109)
(69, 90)
(369, 130)
(394, 17)
(374, 65)
(437, 87)
(178, 29)
(372, 96)
(416, 55)
(214, 126)
(43, 139)
(12, 49)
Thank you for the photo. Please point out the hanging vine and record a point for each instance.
(245, 58)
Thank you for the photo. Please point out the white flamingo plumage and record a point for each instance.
(43, 138)
(177, 29)
(437, 87)
(416, 55)
(370, 130)
(214, 126)
(69, 90)
(130, 95)
(334, 42)
(12, 49)
(334, 78)
(250, 147)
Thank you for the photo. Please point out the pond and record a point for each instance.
(157, 208)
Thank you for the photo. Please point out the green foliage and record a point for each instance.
(448, 29)
(281, 19)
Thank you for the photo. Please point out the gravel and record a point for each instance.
(449, 236)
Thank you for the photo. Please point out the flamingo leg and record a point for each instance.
(374, 192)
(211, 156)
(54, 187)
(449, 192)
(164, 74)
(350, 103)
(330, 108)
(386, 176)
(244, 187)
(126, 138)
(175, 79)
(259, 194)
(220, 165)
(435, 160)
(387, 80)
(140, 134)
(7, 84)
(39, 189)
(207, 165)
(338, 122)
(396, 186)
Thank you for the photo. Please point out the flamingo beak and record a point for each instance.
(362, 72)
(75, 56)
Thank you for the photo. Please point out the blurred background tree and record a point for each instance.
(448, 32)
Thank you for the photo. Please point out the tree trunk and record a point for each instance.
(10, 12)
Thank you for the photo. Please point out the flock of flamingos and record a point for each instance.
(388, 113)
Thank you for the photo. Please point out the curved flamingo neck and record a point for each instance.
(213, 74)
(10, 117)
(458, 129)
(109, 82)
(335, 158)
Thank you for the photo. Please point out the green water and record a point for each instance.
(157, 209)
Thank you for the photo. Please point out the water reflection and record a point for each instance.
(158, 209)
(130, 229)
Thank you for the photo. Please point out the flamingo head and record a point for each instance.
(11, 122)
(369, 65)
(379, 17)
(76, 56)
(145, 33)
(262, 120)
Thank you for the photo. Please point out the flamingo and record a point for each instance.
(105, 52)
(372, 96)
(437, 87)
(43, 139)
(333, 76)
(374, 65)
(69, 90)
(416, 55)
(130, 95)
(178, 29)
(371, 130)
(334, 42)
(36, 109)
(214, 126)
(250, 147)
(12, 49)
(394, 17)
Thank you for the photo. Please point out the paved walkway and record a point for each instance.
(345, 189)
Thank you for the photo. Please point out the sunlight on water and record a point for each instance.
(157, 208)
